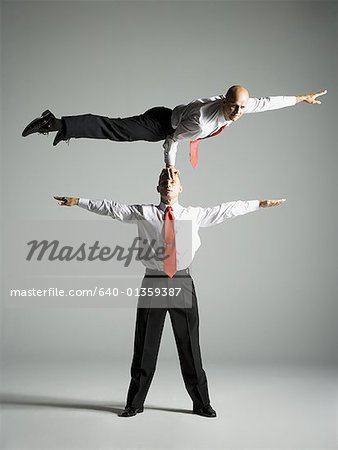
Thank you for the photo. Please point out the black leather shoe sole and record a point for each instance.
(37, 125)
(130, 412)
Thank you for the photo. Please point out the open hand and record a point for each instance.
(312, 98)
(67, 201)
(270, 203)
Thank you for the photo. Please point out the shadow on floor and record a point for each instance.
(18, 400)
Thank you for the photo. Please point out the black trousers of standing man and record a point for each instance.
(152, 126)
(150, 319)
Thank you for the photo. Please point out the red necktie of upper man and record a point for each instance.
(194, 146)
(170, 263)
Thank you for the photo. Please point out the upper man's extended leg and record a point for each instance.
(152, 126)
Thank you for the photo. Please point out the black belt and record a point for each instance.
(160, 273)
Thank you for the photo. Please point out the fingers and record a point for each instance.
(315, 95)
(171, 171)
(62, 201)
(311, 98)
(318, 94)
(278, 202)
(271, 203)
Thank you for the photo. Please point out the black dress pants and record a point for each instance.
(148, 332)
(152, 126)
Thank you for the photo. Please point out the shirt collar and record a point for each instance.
(175, 206)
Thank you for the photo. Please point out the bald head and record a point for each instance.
(235, 102)
(236, 92)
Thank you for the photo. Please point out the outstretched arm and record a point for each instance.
(263, 104)
(118, 211)
(207, 217)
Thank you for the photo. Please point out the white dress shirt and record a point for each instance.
(150, 221)
(204, 116)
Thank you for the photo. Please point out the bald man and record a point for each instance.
(197, 120)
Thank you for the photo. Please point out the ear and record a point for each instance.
(181, 188)
(158, 188)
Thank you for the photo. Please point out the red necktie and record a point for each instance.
(194, 146)
(170, 265)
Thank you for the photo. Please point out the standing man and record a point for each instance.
(173, 228)
(197, 120)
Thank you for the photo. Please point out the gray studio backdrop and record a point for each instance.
(266, 282)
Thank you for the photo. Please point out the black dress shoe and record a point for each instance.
(130, 411)
(44, 124)
(205, 411)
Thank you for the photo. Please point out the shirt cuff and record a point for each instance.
(290, 100)
(83, 203)
(253, 205)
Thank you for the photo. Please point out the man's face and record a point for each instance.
(169, 185)
(234, 105)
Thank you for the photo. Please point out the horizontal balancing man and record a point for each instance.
(166, 224)
(197, 120)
